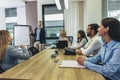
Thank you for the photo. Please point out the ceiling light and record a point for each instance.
(61, 4)
(66, 4)
(58, 4)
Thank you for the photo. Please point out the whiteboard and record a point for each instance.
(21, 35)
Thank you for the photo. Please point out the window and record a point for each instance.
(11, 12)
(111, 8)
(52, 22)
(114, 9)
(9, 27)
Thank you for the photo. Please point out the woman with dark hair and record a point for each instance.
(109, 55)
(81, 40)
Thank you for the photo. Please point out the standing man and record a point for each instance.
(39, 35)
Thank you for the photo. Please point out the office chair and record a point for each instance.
(33, 50)
(70, 38)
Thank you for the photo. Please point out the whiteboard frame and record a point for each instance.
(23, 35)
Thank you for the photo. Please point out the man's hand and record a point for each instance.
(79, 52)
(22, 46)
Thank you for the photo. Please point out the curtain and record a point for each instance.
(73, 18)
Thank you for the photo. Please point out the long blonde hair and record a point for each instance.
(4, 34)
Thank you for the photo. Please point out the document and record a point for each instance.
(70, 63)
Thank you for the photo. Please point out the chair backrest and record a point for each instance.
(70, 38)
(33, 50)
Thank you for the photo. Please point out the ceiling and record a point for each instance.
(16, 3)
(13, 3)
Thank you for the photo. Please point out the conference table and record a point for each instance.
(42, 67)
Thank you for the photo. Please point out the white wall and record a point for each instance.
(92, 11)
(20, 19)
(73, 18)
(2, 18)
(21, 15)
(39, 5)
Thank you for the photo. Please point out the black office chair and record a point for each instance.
(33, 50)
(70, 38)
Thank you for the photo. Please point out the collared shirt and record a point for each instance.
(38, 34)
(109, 56)
(92, 46)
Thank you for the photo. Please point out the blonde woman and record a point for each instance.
(9, 55)
(62, 36)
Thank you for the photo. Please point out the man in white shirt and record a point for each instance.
(94, 44)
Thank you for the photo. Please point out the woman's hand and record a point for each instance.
(81, 60)
(79, 52)
(22, 46)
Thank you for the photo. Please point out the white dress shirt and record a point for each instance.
(92, 46)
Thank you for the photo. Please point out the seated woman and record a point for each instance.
(9, 55)
(106, 62)
(62, 36)
(81, 40)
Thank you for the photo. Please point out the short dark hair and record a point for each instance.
(94, 27)
(114, 27)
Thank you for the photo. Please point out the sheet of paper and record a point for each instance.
(70, 63)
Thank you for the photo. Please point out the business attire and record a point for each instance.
(92, 46)
(79, 44)
(109, 57)
(12, 55)
(39, 38)
(39, 35)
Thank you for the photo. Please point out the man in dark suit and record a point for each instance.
(39, 34)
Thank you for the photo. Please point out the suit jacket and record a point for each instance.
(41, 35)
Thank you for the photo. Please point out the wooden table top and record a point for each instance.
(42, 67)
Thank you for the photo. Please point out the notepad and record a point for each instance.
(70, 63)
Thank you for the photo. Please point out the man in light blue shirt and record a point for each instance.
(38, 34)
(106, 62)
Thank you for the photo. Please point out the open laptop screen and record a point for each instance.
(61, 44)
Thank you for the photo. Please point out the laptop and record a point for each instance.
(61, 44)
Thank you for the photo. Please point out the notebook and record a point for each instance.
(70, 64)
